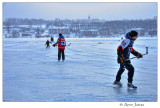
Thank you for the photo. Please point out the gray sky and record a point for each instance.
(107, 11)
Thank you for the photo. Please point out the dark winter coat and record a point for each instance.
(47, 43)
(125, 48)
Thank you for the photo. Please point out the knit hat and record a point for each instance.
(133, 33)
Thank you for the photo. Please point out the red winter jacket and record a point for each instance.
(61, 43)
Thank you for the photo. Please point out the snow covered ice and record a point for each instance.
(31, 72)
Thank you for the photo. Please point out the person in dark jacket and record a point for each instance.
(47, 44)
(52, 39)
(123, 51)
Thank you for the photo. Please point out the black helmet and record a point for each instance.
(60, 34)
(133, 33)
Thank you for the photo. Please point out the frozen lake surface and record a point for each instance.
(31, 72)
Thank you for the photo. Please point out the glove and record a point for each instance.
(54, 45)
(139, 55)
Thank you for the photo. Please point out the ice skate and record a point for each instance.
(117, 83)
(130, 85)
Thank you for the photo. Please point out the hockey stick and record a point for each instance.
(136, 57)
(68, 44)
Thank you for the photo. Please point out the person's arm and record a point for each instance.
(120, 51)
(56, 43)
(136, 53)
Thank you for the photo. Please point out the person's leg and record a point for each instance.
(63, 55)
(130, 69)
(119, 73)
(59, 54)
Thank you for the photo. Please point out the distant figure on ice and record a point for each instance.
(52, 39)
(47, 44)
(121, 38)
(61, 47)
(123, 51)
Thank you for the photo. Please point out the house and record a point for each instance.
(141, 31)
(27, 35)
(91, 32)
(152, 32)
(104, 32)
(52, 30)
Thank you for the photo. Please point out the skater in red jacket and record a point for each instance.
(61, 47)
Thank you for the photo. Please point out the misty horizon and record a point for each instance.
(155, 17)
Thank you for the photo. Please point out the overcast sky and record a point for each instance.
(107, 11)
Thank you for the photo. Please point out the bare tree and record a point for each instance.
(8, 25)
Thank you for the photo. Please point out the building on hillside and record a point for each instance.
(152, 32)
(14, 33)
(141, 31)
(56, 30)
(104, 32)
(88, 32)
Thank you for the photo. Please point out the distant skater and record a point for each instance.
(47, 44)
(52, 39)
(61, 47)
(123, 51)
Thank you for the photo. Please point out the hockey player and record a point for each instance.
(61, 47)
(123, 51)
(47, 44)
(52, 39)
